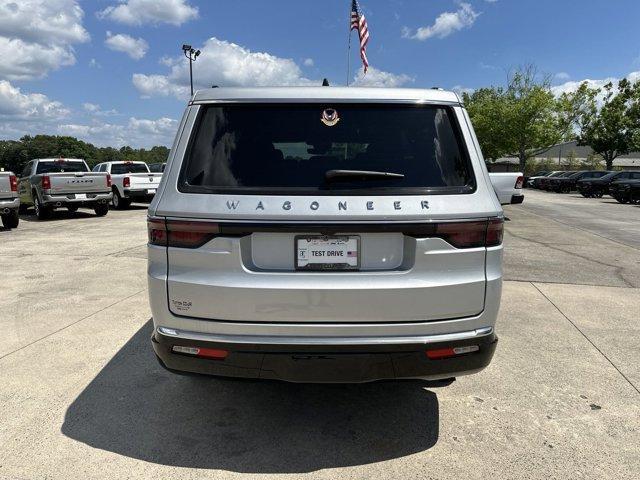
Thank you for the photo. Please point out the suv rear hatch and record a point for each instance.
(323, 213)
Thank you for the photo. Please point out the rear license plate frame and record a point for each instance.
(327, 267)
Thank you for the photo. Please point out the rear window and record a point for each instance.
(60, 166)
(290, 149)
(121, 168)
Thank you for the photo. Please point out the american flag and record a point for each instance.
(359, 23)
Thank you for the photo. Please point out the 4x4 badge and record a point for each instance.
(330, 117)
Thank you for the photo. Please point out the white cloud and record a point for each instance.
(139, 12)
(37, 36)
(136, 132)
(222, 63)
(96, 109)
(18, 106)
(379, 78)
(445, 24)
(136, 48)
(308, 62)
(93, 63)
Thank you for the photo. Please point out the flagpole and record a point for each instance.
(349, 49)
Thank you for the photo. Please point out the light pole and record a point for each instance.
(191, 54)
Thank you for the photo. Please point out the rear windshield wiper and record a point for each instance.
(360, 174)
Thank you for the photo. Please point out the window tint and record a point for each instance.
(290, 148)
(121, 168)
(59, 166)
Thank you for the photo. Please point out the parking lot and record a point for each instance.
(81, 395)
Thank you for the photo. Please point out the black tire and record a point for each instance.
(72, 208)
(118, 202)
(42, 212)
(11, 219)
(101, 209)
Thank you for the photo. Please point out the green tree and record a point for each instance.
(613, 129)
(524, 118)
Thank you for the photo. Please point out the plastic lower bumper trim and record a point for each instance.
(329, 362)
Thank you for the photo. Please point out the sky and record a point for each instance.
(112, 72)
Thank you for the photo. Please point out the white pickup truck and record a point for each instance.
(131, 181)
(50, 183)
(9, 201)
(508, 187)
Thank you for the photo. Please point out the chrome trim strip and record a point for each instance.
(277, 340)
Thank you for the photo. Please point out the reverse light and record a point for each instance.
(46, 182)
(109, 180)
(451, 352)
(126, 182)
(519, 182)
(211, 353)
(13, 180)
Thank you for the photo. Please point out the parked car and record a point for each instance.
(508, 187)
(50, 183)
(596, 188)
(624, 191)
(157, 167)
(131, 182)
(528, 179)
(536, 182)
(9, 200)
(569, 184)
(325, 235)
(551, 183)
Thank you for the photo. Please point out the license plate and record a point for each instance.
(327, 252)
(151, 191)
(81, 196)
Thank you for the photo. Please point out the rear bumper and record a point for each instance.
(66, 199)
(139, 194)
(10, 203)
(332, 360)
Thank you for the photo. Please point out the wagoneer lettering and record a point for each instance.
(366, 243)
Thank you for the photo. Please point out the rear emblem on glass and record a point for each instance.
(330, 117)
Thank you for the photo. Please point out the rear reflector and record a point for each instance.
(451, 352)
(212, 353)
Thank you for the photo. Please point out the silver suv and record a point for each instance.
(325, 235)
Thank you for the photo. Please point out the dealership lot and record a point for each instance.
(82, 396)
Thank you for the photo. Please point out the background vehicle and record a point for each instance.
(599, 186)
(536, 182)
(50, 183)
(508, 187)
(528, 179)
(131, 182)
(157, 167)
(624, 190)
(333, 243)
(551, 182)
(9, 201)
(569, 183)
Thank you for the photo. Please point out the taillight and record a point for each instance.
(495, 231)
(46, 182)
(126, 182)
(462, 234)
(519, 182)
(109, 180)
(13, 180)
(157, 231)
(211, 353)
(439, 353)
(179, 233)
